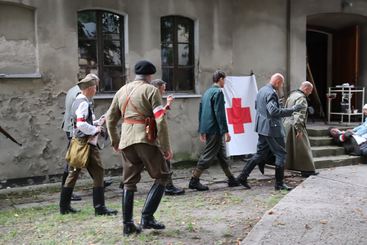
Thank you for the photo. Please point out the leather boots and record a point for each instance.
(279, 176)
(99, 203)
(65, 198)
(127, 213)
(151, 205)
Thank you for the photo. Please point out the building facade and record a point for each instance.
(46, 46)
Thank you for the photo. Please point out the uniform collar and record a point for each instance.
(298, 90)
(82, 96)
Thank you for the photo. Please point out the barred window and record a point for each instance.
(101, 48)
(177, 53)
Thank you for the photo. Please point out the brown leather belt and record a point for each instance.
(133, 121)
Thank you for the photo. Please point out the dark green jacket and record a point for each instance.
(212, 115)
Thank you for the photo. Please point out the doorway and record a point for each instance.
(333, 50)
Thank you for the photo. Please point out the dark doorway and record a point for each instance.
(317, 58)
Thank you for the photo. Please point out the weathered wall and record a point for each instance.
(235, 35)
(17, 40)
(31, 108)
(259, 39)
(299, 11)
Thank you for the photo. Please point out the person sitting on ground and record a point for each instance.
(340, 136)
(170, 188)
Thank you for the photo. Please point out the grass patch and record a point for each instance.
(275, 198)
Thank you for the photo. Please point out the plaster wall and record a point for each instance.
(31, 108)
(17, 40)
(260, 38)
(299, 12)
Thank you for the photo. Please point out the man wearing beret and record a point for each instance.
(134, 104)
(85, 127)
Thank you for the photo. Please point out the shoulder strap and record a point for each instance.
(127, 102)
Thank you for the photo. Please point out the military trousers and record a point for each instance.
(136, 157)
(267, 148)
(214, 148)
(94, 167)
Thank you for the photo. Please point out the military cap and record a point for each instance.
(89, 80)
(144, 67)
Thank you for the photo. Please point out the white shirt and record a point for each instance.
(82, 115)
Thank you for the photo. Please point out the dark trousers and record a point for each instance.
(136, 157)
(214, 148)
(267, 148)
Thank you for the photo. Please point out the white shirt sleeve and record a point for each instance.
(81, 117)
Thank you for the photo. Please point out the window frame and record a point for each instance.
(176, 68)
(100, 40)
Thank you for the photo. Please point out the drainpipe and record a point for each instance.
(288, 62)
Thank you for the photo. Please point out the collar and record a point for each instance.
(82, 96)
(298, 90)
(215, 85)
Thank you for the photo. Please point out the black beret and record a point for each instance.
(144, 67)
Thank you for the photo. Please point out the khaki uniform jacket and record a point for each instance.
(299, 154)
(147, 100)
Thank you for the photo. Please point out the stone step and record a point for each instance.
(321, 141)
(324, 130)
(336, 161)
(324, 151)
(317, 132)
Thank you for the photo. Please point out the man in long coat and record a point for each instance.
(298, 146)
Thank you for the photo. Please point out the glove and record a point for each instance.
(297, 107)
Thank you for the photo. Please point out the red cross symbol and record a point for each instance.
(238, 116)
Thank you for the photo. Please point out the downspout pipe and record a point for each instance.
(288, 62)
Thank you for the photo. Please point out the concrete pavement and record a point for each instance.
(330, 208)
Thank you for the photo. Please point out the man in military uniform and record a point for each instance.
(136, 103)
(213, 131)
(85, 127)
(171, 189)
(298, 146)
(271, 132)
(68, 128)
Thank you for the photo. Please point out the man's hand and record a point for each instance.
(168, 155)
(227, 137)
(102, 120)
(99, 129)
(116, 149)
(170, 100)
(203, 138)
(299, 135)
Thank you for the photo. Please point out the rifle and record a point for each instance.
(7, 135)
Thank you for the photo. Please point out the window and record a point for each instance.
(101, 49)
(177, 53)
(18, 54)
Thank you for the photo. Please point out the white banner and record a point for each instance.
(240, 95)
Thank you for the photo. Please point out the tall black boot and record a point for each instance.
(74, 197)
(99, 204)
(65, 197)
(151, 204)
(279, 176)
(127, 213)
(247, 169)
(195, 184)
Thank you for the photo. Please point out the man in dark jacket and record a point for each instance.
(213, 131)
(271, 132)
